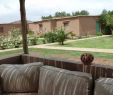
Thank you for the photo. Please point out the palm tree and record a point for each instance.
(24, 26)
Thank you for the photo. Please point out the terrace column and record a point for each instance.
(23, 26)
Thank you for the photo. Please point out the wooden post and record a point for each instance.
(23, 26)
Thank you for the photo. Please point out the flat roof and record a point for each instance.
(69, 17)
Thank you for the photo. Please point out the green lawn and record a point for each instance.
(67, 54)
(10, 53)
(103, 43)
(55, 53)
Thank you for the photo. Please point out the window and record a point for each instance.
(40, 28)
(66, 24)
(1, 29)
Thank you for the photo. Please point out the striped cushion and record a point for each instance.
(56, 81)
(104, 86)
(20, 78)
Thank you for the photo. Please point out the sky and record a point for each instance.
(35, 9)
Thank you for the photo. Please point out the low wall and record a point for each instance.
(11, 60)
(96, 70)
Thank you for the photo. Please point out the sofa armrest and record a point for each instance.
(104, 86)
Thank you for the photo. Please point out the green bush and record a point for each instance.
(15, 38)
(5, 42)
(99, 33)
(50, 37)
(71, 35)
(58, 35)
(34, 40)
(61, 36)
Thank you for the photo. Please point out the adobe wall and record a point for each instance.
(73, 25)
(8, 27)
(33, 27)
(87, 25)
(46, 26)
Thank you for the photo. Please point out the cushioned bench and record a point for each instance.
(37, 79)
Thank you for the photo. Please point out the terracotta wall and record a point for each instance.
(53, 25)
(8, 27)
(73, 25)
(87, 25)
(33, 27)
(46, 26)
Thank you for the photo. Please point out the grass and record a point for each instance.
(67, 54)
(103, 43)
(10, 53)
(54, 53)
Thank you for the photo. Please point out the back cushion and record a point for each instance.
(104, 86)
(56, 81)
(20, 78)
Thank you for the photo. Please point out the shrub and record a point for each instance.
(61, 36)
(71, 35)
(34, 40)
(30, 32)
(4, 42)
(99, 33)
(56, 36)
(13, 40)
(50, 37)
(15, 37)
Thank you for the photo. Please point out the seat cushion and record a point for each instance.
(20, 78)
(104, 86)
(56, 81)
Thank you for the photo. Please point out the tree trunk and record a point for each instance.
(24, 26)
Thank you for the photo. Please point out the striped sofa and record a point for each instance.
(37, 79)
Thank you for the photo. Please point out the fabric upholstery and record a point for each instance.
(20, 78)
(104, 86)
(56, 81)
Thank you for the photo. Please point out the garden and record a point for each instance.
(14, 39)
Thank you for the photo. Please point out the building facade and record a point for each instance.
(7, 27)
(79, 25)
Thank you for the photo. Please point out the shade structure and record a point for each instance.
(23, 25)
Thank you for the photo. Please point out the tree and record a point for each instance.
(64, 14)
(47, 17)
(82, 12)
(60, 14)
(24, 25)
(75, 13)
(106, 20)
(109, 20)
(61, 36)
